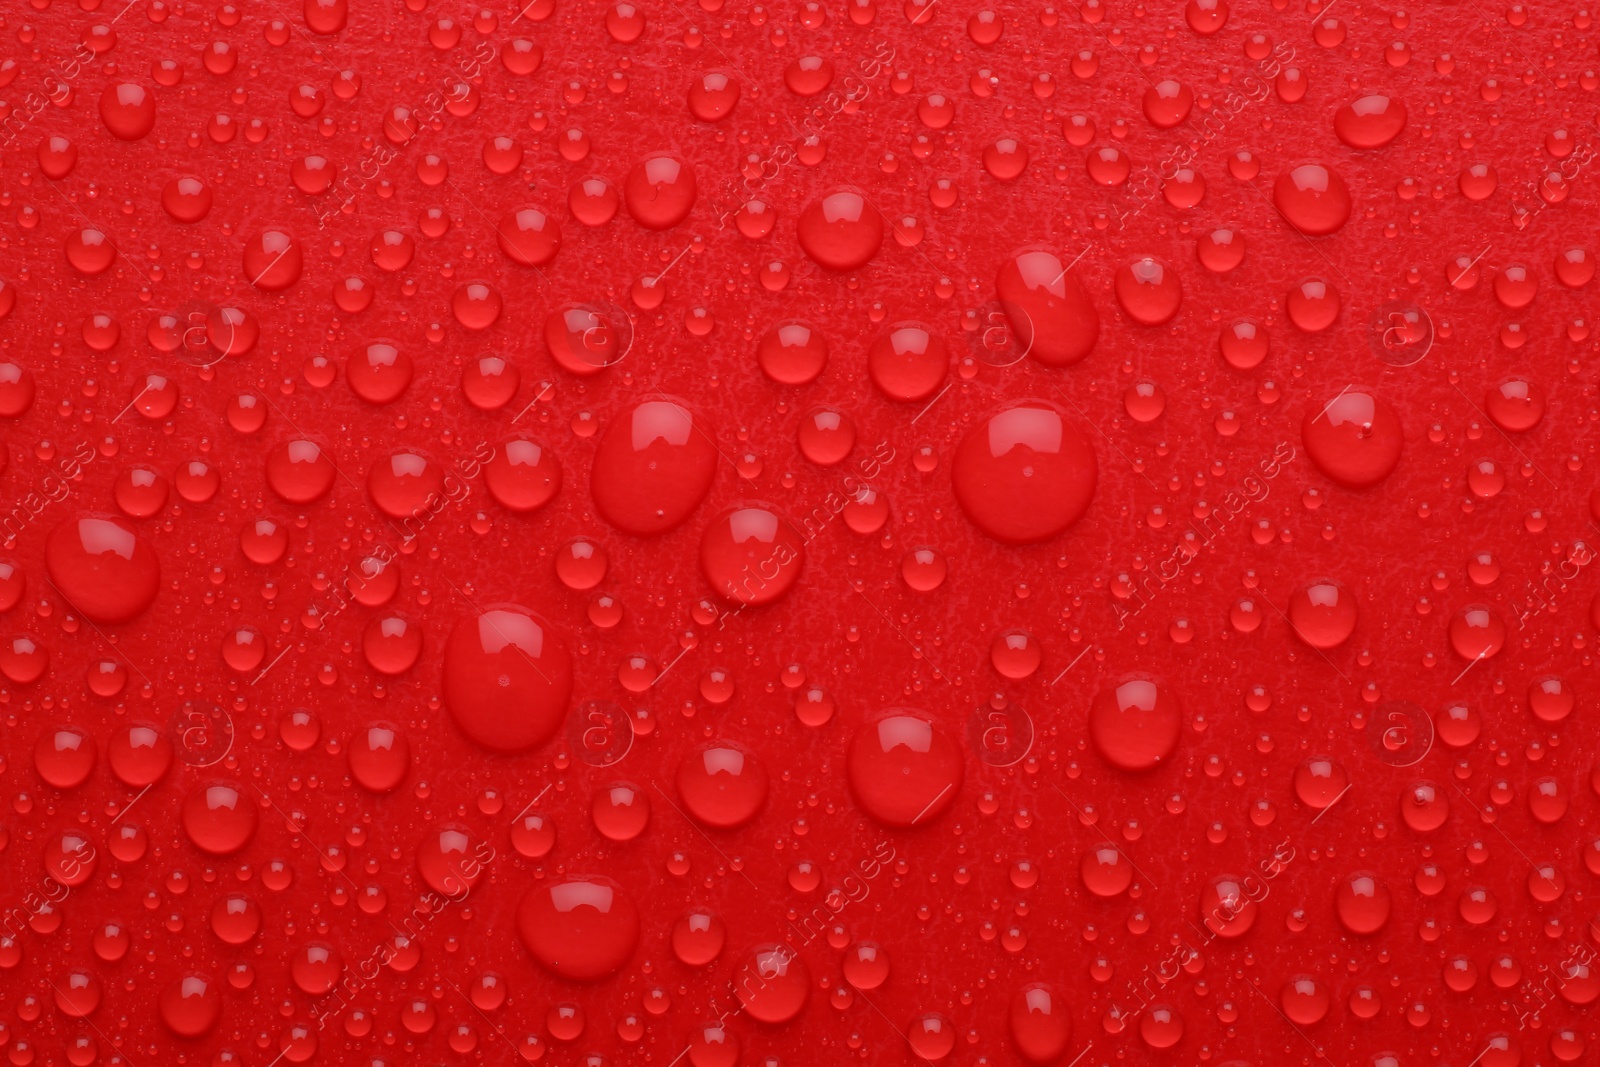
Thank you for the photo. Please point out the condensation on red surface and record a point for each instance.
(1187, 659)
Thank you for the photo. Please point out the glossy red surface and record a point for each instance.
(839, 530)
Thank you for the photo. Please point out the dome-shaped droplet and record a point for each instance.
(1323, 614)
(721, 784)
(140, 754)
(64, 757)
(529, 236)
(904, 768)
(523, 475)
(1362, 903)
(659, 191)
(273, 260)
(1371, 121)
(581, 928)
(191, 1006)
(379, 756)
(772, 983)
(909, 363)
(1025, 473)
(1135, 725)
(840, 231)
(449, 857)
(300, 471)
(751, 555)
(379, 372)
(128, 110)
(1052, 316)
(1148, 291)
(103, 568)
(219, 817)
(1313, 199)
(1106, 872)
(1041, 1025)
(507, 678)
(1355, 438)
(792, 353)
(653, 467)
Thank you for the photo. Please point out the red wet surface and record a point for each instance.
(727, 534)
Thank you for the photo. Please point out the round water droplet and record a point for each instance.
(533, 835)
(1220, 250)
(1244, 344)
(1362, 903)
(1551, 699)
(90, 251)
(405, 485)
(1041, 1025)
(476, 305)
(1305, 1000)
(1167, 103)
(507, 679)
(273, 260)
(1206, 17)
(904, 768)
(1516, 405)
(529, 236)
(1319, 782)
(186, 199)
(16, 386)
(840, 231)
(1106, 872)
(1135, 725)
(128, 110)
(772, 983)
(1148, 291)
(103, 568)
(219, 817)
(792, 353)
(64, 757)
(1323, 614)
(909, 363)
(1225, 908)
(489, 382)
(698, 937)
(70, 858)
(751, 555)
(721, 784)
(581, 928)
(1025, 474)
(522, 475)
(379, 757)
(1052, 316)
(315, 968)
(191, 1006)
(57, 157)
(326, 16)
(1371, 121)
(139, 754)
(448, 858)
(931, 1037)
(235, 919)
(1313, 305)
(659, 191)
(1424, 807)
(379, 372)
(300, 472)
(654, 466)
(1313, 199)
(1355, 438)
(1477, 632)
(712, 96)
